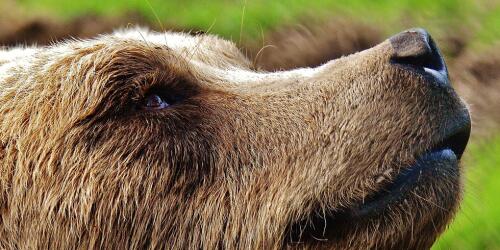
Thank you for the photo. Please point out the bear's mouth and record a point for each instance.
(437, 162)
(445, 155)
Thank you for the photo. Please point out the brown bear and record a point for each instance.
(173, 141)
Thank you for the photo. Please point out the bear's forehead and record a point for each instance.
(173, 40)
(209, 49)
(211, 55)
(208, 54)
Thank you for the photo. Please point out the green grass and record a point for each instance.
(224, 17)
(477, 226)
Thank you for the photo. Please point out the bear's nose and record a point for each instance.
(415, 49)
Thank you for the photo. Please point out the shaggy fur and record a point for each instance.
(240, 162)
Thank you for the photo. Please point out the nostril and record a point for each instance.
(416, 49)
(430, 60)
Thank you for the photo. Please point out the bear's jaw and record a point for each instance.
(439, 159)
(423, 195)
(433, 166)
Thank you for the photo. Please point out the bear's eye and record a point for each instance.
(156, 101)
(163, 95)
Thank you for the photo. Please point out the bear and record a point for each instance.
(161, 140)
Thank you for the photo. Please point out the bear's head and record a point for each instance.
(167, 140)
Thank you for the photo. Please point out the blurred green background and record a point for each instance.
(225, 17)
(477, 226)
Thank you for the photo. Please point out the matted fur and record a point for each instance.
(244, 157)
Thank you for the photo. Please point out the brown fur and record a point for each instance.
(474, 75)
(235, 165)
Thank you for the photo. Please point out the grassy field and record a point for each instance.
(251, 18)
(477, 226)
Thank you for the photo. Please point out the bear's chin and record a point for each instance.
(426, 176)
(428, 189)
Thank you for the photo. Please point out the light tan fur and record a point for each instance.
(241, 159)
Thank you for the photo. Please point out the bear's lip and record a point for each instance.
(441, 158)
(444, 154)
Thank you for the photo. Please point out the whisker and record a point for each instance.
(242, 19)
(256, 59)
(429, 201)
(158, 20)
